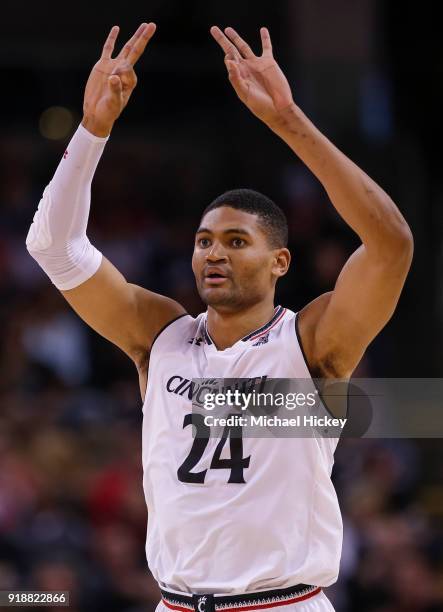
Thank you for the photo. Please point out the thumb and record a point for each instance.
(115, 84)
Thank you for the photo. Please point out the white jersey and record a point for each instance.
(282, 525)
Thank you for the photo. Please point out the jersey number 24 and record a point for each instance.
(237, 463)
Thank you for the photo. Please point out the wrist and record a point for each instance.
(97, 128)
(283, 119)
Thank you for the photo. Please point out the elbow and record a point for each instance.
(408, 241)
(404, 243)
(32, 249)
(33, 245)
(397, 247)
(39, 237)
(395, 241)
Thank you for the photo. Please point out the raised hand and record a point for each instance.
(112, 80)
(258, 81)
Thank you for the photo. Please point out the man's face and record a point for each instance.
(233, 262)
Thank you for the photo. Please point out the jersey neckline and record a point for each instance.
(279, 313)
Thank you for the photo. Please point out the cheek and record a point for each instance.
(195, 263)
(254, 269)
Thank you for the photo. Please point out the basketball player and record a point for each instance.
(252, 525)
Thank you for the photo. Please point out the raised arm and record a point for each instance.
(338, 326)
(127, 315)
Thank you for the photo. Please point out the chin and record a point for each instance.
(219, 298)
(227, 301)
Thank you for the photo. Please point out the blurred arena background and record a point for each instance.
(370, 75)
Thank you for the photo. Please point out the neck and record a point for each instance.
(226, 328)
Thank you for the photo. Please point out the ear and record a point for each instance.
(281, 262)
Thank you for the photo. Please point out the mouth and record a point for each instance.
(215, 278)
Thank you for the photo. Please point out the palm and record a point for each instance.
(258, 81)
(267, 88)
(112, 80)
(97, 94)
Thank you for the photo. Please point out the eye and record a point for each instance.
(238, 243)
(204, 243)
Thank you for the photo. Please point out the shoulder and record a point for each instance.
(306, 322)
(179, 331)
(176, 333)
(153, 314)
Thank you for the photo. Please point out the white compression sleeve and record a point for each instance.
(57, 237)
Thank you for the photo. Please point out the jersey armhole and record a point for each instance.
(160, 331)
(300, 344)
(157, 335)
(311, 374)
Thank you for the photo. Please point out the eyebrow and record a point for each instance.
(231, 230)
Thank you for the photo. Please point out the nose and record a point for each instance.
(216, 253)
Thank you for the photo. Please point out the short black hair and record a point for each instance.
(271, 217)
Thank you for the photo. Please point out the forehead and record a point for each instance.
(225, 218)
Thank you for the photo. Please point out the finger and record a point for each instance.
(230, 59)
(126, 49)
(115, 85)
(241, 44)
(223, 41)
(266, 41)
(126, 74)
(141, 42)
(108, 47)
(231, 66)
(237, 82)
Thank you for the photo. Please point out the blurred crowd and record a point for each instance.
(72, 512)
